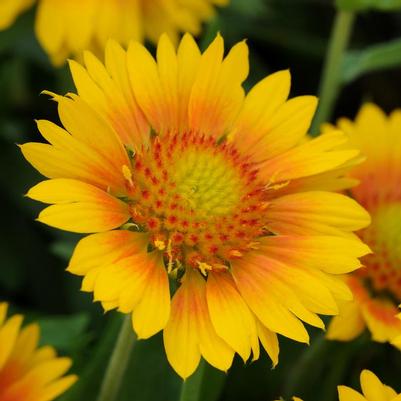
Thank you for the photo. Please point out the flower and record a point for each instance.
(10, 9)
(372, 390)
(181, 176)
(29, 373)
(376, 287)
(67, 27)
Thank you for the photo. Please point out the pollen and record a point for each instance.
(199, 196)
(160, 245)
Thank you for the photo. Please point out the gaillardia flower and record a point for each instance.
(376, 287)
(179, 175)
(67, 27)
(29, 373)
(372, 390)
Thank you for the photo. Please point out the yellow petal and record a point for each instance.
(229, 314)
(10, 9)
(57, 388)
(336, 255)
(181, 338)
(269, 341)
(3, 312)
(190, 333)
(105, 248)
(50, 28)
(167, 64)
(146, 85)
(26, 343)
(78, 207)
(253, 284)
(70, 158)
(8, 337)
(348, 325)
(313, 157)
(217, 94)
(372, 388)
(348, 394)
(86, 125)
(315, 213)
(263, 100)
(188, 57)
(153, 310)
(380, 317)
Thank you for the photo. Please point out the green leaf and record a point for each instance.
(63, 248)
(91, 374)
(248, 8)
(149, 376)
(359, 5)
(374, 58)
(62, 332)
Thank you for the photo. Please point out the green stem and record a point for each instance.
(118, 362)
(191, 388)
(331, 76)
(306, 364)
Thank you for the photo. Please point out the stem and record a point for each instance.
(191, 388)
(331, 76)
(118, 362)
(306, 364)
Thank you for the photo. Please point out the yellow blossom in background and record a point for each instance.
(372, 390)
(27, 372)
(377, 286)
(10, 9)
(178, 174)
(65, 28)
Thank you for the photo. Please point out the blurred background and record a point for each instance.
(281, 34)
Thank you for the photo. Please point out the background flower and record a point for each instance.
(29, 372)
(372, 389)
(67, 27)
(377, 286)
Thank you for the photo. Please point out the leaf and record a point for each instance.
(359, 5)
(149, 376)
(248, 8)
(374, 58)
(212, 384)
(62, 332)
(97, 358)
(63, 248)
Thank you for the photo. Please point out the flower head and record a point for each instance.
(182, 176)
(372, 390)
(29, 373)
(67, 27)
(376, 287)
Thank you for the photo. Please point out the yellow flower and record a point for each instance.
(67, 27)
(376, 287)
(10, 9)
(181, 175)
(372, 390)
(29, 373)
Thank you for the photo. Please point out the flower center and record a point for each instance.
(383, 267)
(208, 182)
(200, 200)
